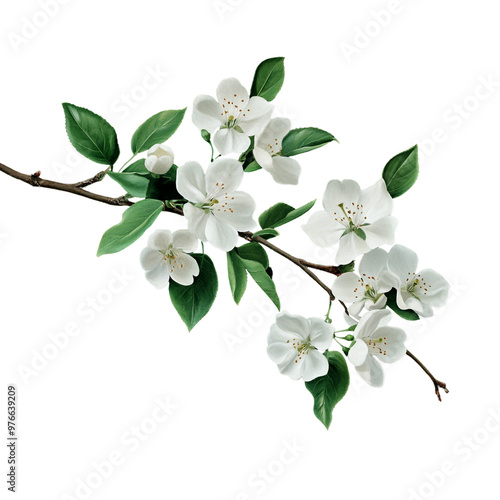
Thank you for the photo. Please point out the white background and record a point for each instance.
(415, 78)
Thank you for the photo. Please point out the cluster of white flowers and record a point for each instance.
(359, 222)
(215, 210)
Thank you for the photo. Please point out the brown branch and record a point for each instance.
(298, 262)
(77, 188)
(327, 269)
(437, 384)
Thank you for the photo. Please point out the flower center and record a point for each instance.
(352, 218)
(234, 109)
(377, 345)
(302, 346)
(367, 289)
(172, 257)
(416, 285)
(274, 148)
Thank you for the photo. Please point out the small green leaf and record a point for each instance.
(268, 79)
(281, 213)
(254, 251)
(157, 129)
(91, 135)
(253, 167)
(302, 140)
(360, 233)
(267, 233)
(205, 135)
(258, 272)
(138, 167)
(194, 301)
(136, 185)
(329, 389)
(135, 221)
(237, 275)
(408, 314)
(401, 172)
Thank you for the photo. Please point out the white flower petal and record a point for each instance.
(291, 365)
(208, 114)
(224, 175)
(337, 192)
(358, 352)
(377, 201)
(373, 263)
(348, 287)
(314, 365)
(150, 258)
(197, 220)
(285, 170)
(185, 270)
(371, 321)
(378, 304)
(159, 276)
(160, 239)
(323, 230)
(272, 135)
(321, 334)
(381, 232)
(229, 140)
(278, 351)
(231, 90)
(393, 347)
(402, 262)
(437, 293)
(263, 158)
(356, 308)
(276, 335)
(221, 234)
(185, 240)
(293, 323)
(236, 209)
(255, 115)
(371, 372)
(191, 182)
(351, 245)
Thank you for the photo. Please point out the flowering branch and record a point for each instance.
(437, 384)
(77, 188)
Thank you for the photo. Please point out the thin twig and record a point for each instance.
(437, 384)
(320, 267)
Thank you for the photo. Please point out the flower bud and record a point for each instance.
(160, 159)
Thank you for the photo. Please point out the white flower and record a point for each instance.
(375, 340)
(267, 152)
(296, 345)
(160, 159)
(418, 291)
(358, 220)
(165, 257)
(234, 115)
(367, 289)
(217, 210)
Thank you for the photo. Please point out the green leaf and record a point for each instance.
(91, 135)
(157, 129)
(360, 233)
(401, 172)
(254, 251)
(408, 314)
(267, 233)
(136, 185)
(135, 221)
(258, 272)
(138, 167)
(253, 167)
(237, 275)
(268, 79)
(281, 213)
(329, 389)
(302, 140)
(194, 301)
